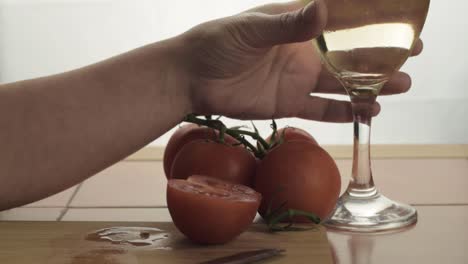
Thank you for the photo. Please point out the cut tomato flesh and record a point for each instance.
(210, 211)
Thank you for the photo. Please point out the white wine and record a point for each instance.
(363, 44)
(366, 41)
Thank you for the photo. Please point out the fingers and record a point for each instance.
(398, 84)
(278, 8)
(327, 110)
(327, 83)
(418, 48)
(262, 31)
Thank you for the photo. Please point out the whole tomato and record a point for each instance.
(186, 134)
(300, 175)
(200, 157)
(292, 134)
(210, 211)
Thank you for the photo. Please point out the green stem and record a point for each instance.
(255, 136)
(275, 220)
(235, 133)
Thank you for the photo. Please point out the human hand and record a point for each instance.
(261, 65)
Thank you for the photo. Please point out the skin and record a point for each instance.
(59, 130)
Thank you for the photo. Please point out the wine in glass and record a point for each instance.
(363, 44)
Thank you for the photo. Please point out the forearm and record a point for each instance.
(59, 130)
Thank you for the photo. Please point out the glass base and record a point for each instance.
(374, 213)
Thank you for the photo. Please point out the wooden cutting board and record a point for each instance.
(64, 242)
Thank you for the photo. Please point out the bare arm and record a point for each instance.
(59, 130)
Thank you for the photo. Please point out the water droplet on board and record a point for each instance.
(136, 236)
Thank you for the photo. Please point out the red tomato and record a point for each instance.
(200, 157)
(301, 174)
(210, 211)
(186, 134)
(293, 133)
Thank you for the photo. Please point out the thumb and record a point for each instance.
(261, 30)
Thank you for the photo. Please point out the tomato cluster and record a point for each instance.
(294, 174)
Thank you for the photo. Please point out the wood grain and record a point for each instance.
(59, 242)
(440, 236)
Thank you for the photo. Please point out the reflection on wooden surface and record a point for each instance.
(65, 242)
(440, 236)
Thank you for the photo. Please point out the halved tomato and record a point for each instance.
(186, 134)
(211, 211)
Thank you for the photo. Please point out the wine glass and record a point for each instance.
(363, 44)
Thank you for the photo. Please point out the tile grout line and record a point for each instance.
(67, 205)
(165, 207)
(118, 207)
(441, 204)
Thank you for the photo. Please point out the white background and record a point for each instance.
(40, 37)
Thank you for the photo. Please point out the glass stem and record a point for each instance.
(362, 183)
